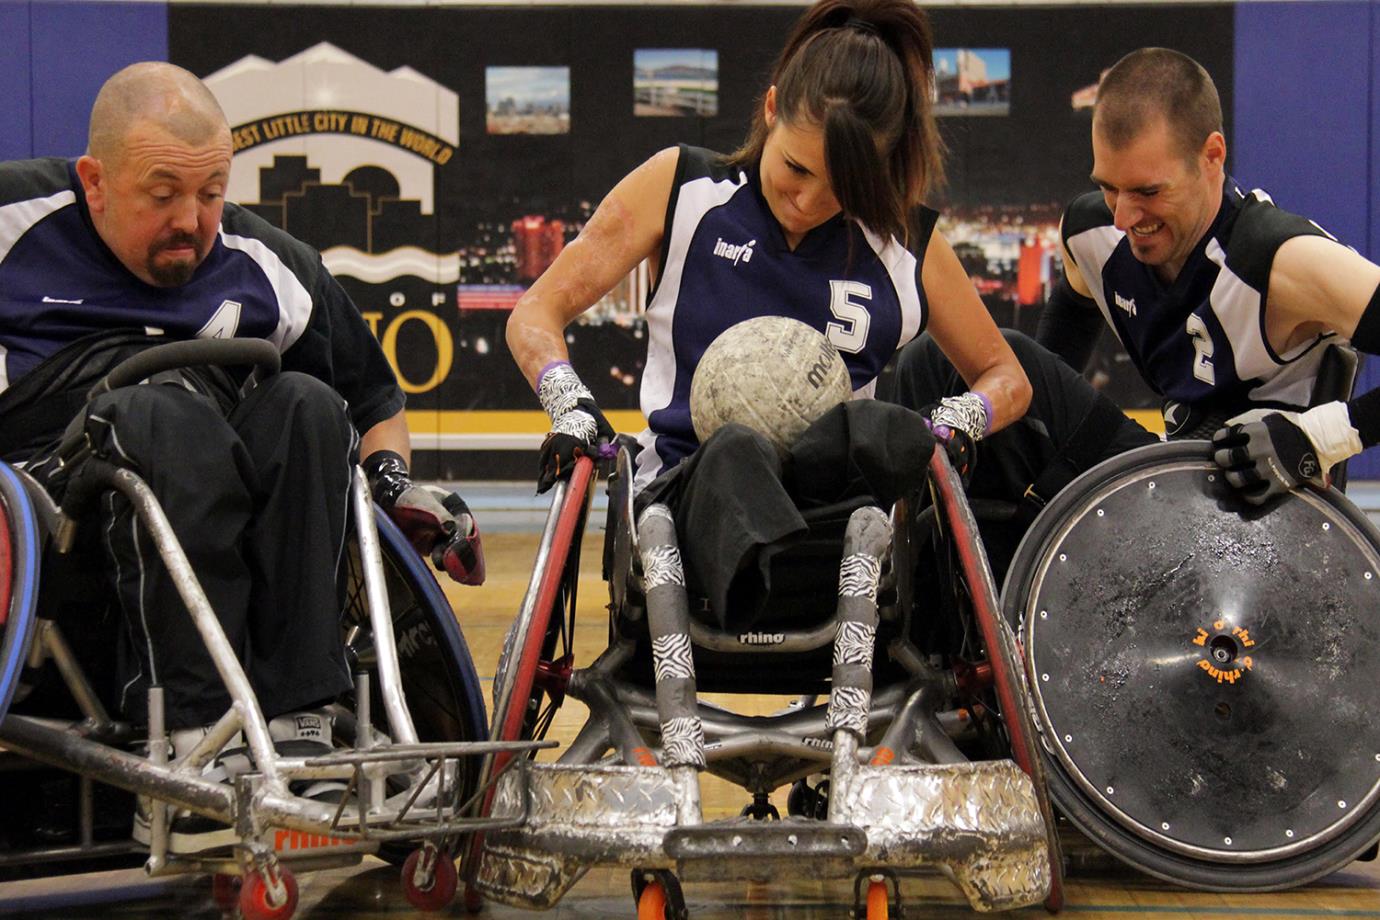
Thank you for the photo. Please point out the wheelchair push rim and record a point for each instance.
(534, 645)
(19, 555)
(440, 685)
(1003, 656)
(533, 636)
(1190, 660)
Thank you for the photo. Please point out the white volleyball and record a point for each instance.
(773, 374)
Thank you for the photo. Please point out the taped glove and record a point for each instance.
(577, 425)
(959, 422)
(437, 523)
(1265, 453)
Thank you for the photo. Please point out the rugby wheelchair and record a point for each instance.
(908, 763)
(414, 722)
(1203, 670)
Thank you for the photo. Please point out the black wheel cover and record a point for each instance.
(1204, 670)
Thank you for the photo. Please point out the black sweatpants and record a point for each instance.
(1052, 433)
(739, 502)
(258, 498)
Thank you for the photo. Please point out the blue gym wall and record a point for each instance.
(1306, 100)
(1307, 111)
(54, 55)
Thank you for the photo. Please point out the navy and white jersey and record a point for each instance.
(724, 259)
(59, 282)
(1202, 338)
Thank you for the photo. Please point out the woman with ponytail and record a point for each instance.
(819, 216)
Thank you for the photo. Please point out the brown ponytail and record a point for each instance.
(863, 71)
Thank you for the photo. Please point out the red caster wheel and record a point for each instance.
(258, 900)
(474, 901)
(225, 891)
(439, 888)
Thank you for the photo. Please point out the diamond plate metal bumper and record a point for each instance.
(578, 817)
(978, 822)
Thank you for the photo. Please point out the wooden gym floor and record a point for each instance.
(1096, 888)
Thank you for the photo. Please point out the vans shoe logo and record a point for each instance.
(308, 726)
(734, 252)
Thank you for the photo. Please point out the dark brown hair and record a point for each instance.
(1153, 83)
(862, 70)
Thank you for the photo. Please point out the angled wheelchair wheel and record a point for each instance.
(537, 654)
(438, 677)
(1202, 670)
(19, 558)
(999, 647)
(529, 682)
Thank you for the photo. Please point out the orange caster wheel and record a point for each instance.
(877, 906)
(658, 895)
(652, 904)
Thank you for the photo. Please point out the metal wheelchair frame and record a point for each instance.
(902, 794)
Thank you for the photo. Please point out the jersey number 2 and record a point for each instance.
(1202, 350)
(850, 334)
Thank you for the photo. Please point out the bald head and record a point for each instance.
(155, 172)
(158, 94)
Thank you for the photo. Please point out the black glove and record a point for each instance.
(437, 523)
(960, 448)
(577, 425)
(1267, 457)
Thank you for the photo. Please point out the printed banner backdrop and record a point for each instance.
(441, 158)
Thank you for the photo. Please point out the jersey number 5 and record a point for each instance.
(1202, 349)
(850, 334)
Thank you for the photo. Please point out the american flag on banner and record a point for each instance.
(487, 296)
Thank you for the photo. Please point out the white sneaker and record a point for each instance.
(294, 734)
(188, 832)
(297, 734)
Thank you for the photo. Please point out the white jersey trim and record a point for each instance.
(694, 199)
(294, 300)
(1237, 307)
(1096, 245)
(1288, 378)
(900, 264)
(17, 218)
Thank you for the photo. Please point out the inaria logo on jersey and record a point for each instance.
(734, 253)
(1126, 303)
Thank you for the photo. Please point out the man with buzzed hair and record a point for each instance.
(1225, 303)
(131, 245)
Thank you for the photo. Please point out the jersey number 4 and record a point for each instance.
(224, 324)
(1202, 349)
(850, 333)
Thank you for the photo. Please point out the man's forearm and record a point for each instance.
(389, 434)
